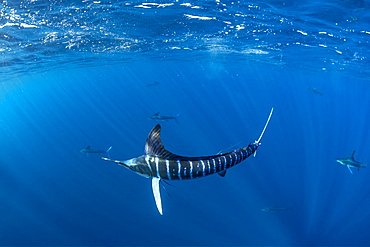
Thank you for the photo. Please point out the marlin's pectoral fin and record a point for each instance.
(350, 169)
(222, 173)
(157, 194)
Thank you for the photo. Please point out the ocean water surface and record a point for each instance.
(90, 73)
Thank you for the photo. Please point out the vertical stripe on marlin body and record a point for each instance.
(158, 163)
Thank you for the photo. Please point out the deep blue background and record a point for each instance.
(53, 194)
(76, 73)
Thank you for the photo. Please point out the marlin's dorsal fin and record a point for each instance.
(88, 147)
(156, 114)
(154, 146)
(352, 156)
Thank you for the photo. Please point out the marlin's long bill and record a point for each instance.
(158, 163)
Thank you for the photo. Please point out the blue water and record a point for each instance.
(80, 73)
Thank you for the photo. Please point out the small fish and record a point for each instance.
(351, 162)
(153, 84)
(275, 209)
(158, 117)
(158, 163)
(88, 151)
(313, 89)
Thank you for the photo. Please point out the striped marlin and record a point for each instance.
(157, 163)
(158, 117)
(350, 161)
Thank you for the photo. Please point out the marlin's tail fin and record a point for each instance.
(264, 128)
